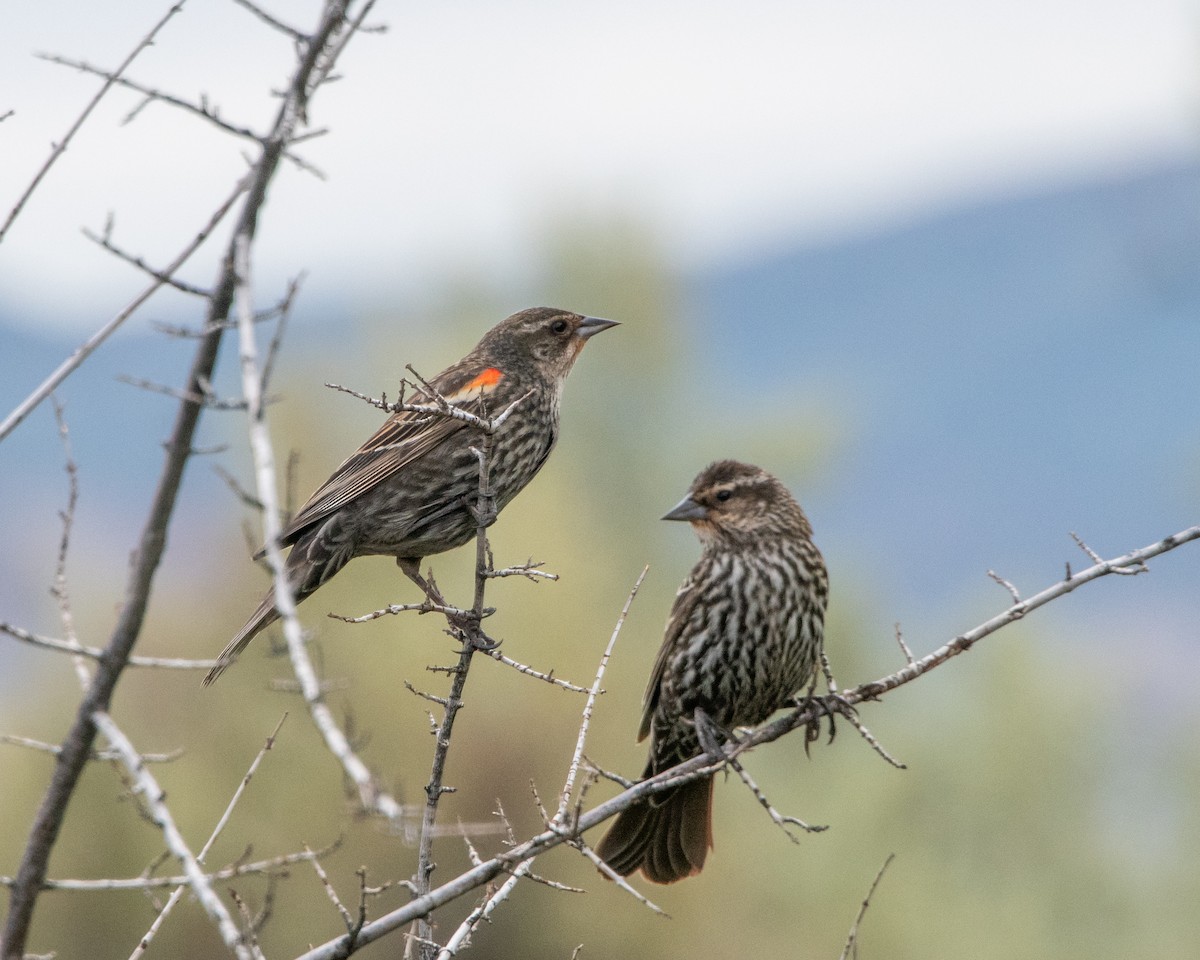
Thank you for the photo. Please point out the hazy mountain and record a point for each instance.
(992, 376)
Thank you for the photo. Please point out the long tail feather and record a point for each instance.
(668, 839)
(309, 565)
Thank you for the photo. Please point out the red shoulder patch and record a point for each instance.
(489, 378)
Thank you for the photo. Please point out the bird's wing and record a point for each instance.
(404, 437)
(686, 598)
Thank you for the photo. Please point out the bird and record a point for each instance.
(743, 639)
(410, 490)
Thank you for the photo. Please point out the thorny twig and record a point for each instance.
(177, 894)
(146, 882)
(703, 766)
(564, 816)
(850, 951)
(95, 653)
(61, 146)
(88, 347)
(467, 629)
(779, 819)
(314, 61)
(852, 717)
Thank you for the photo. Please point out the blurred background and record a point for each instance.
(934, 264)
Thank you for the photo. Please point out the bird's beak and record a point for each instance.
(590, 326)
(687, 509)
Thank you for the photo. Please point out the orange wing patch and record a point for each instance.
(484, 384)
(485, 381)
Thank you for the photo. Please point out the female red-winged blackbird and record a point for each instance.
(409, 491)
(744, 637)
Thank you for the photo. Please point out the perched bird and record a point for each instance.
(743, 638)
(410, 490)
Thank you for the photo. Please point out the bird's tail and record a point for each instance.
(666, 836)
(264, 615)
(308, 567)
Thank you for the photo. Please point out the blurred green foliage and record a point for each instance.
(1011, 828)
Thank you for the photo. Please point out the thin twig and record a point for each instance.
(529, 570)
(779, 819)
(850, 951)
(332, 893)
(55, 749)
(851, 716)
(462, 936)
(576, 758)
(393, 609)
(1012, 591)
(105, 241)
(203, 396)
(176, 895)
(154, 798)
(469, 633)
(271, 21)
(702, 766)
(79, 740)
(1131, 571)
(95, 653)
(60, 147)
(619, 880)
(158, 883)
(536, 674)
(88, 347)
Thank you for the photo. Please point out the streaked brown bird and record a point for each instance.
(410, 490)
(743, 639)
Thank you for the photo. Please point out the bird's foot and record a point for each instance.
(831, 706)
(711, 735)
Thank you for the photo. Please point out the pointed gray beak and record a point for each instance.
(590, 326)
(687, 509)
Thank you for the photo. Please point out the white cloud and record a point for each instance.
(726, 124)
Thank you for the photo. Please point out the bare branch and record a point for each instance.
(157, 883)
(1135, 559)
(154, 798)
(620, 881)
(1012, 591)
(61, 146)
(271, 21)
(88, 347)
(851, 716)
(105, 241)
(462, 936)
(95, 653)
(425, 606)
(529, 570)
(702, 766)
(202, 397)
(94, 755)
(245, 496)
(284, 311)
(536, 674)
(371, 796)
(850, 951)
(177, 894)
(576, 758)
(777, 818)
(382, 403)
(95, 703)
(1130, 571)
(351, 924)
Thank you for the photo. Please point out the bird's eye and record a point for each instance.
(724, 495)
(559, 326)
